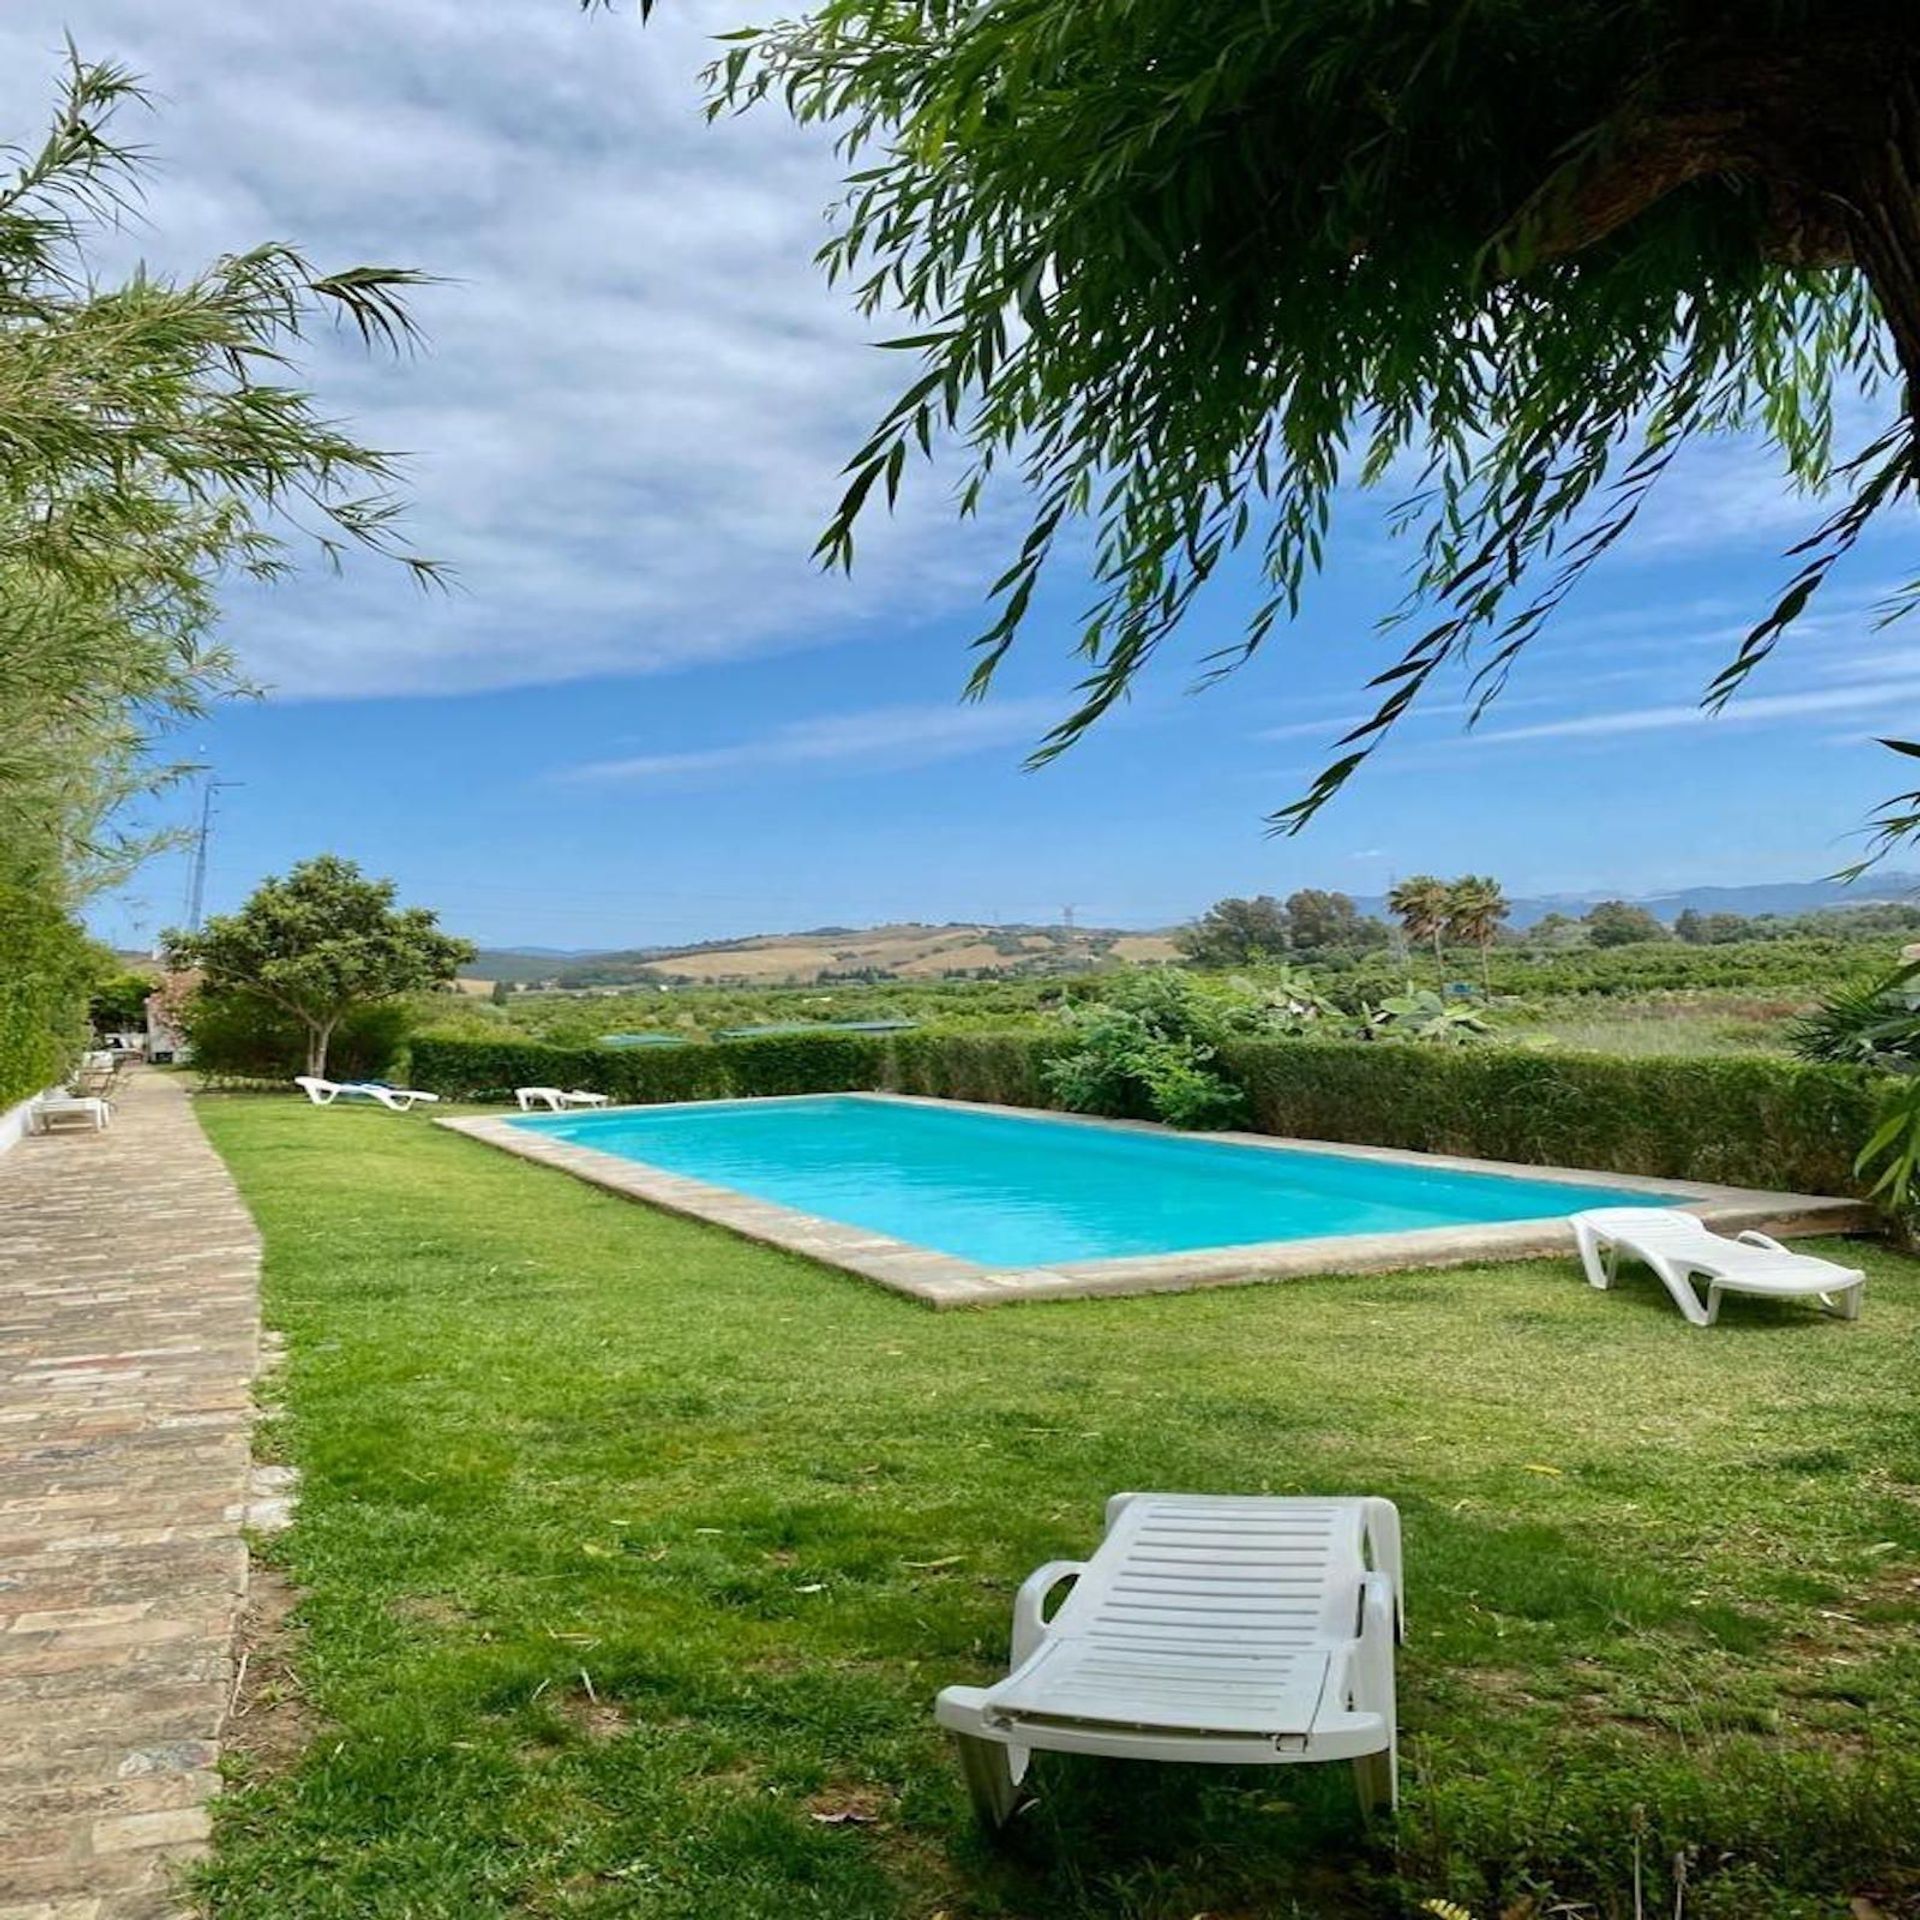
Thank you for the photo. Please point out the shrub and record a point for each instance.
(47, 964)
(119, 1004)
(490, 1069)
(1745, 1122)
(778, 1063)
(237, 1037)
(1147, 1052)
(1421, 1015)
(1002, 1069)
(772, 1065)
(1878, 1024)
(1872, 1022)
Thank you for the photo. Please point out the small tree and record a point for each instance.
(1616, 923)
(1557, 931)
(1318, 919)
(319, 944)
(1237, 933)
(119, 1004)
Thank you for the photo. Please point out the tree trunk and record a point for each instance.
(1881, 214)
(1486, 966)
(1823, 123)
(319, 1034)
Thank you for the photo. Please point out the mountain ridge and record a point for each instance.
(924, 949)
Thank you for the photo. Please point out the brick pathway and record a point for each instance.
(129, 1337)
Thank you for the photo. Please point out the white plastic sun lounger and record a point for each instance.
(1678, 1247)
(556, 1099)
(323, 1093)
(1232, 1630)
(53, 1107)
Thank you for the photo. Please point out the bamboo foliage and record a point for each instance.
(154, 446)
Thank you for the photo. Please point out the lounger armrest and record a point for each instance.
(1753, 1237)
(1378, 1630)
(1379, 1607)
(1030, 1605)
(1383, 1544)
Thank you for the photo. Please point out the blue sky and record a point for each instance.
(643, 717)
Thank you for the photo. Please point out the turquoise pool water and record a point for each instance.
(1018, 1190)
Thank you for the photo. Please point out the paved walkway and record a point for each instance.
(129, 1337)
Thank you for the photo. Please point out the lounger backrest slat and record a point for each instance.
(1245, 1575)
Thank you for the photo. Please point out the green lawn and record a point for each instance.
(632, 1557)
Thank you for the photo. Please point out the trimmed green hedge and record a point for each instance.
(1001, 1068)
(727, 1069)
(1747, 1122)
(47, 965)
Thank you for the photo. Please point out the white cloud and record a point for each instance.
(628, 427)
(1759, 710)
(1333, 726)
(879, 737)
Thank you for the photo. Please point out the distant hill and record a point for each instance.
(910, 951)
(1788, 896)
(917, 951)
(518, 964)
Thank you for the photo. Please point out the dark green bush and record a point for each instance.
(802, 1063)
(776, 1064)
(119, 1004)
(238, 1037)
(1755, 1123)
(491, 1069)
(1003, 1069)
(1148, 1051)
(47, 965)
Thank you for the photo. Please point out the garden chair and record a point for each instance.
(323, 1093)
(556, 1099)
(96, 1078)
(1679, 1247)
(53, 1108)
(1238, 1631)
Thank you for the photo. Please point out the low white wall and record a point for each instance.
(13, 1123)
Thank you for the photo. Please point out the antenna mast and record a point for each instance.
(197, 889)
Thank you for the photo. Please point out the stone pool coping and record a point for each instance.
(943, 1280)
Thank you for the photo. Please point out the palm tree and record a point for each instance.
(1422, 905)
(1475, 908)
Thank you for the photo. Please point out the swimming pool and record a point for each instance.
(966, 1205)
(1022, 1190)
